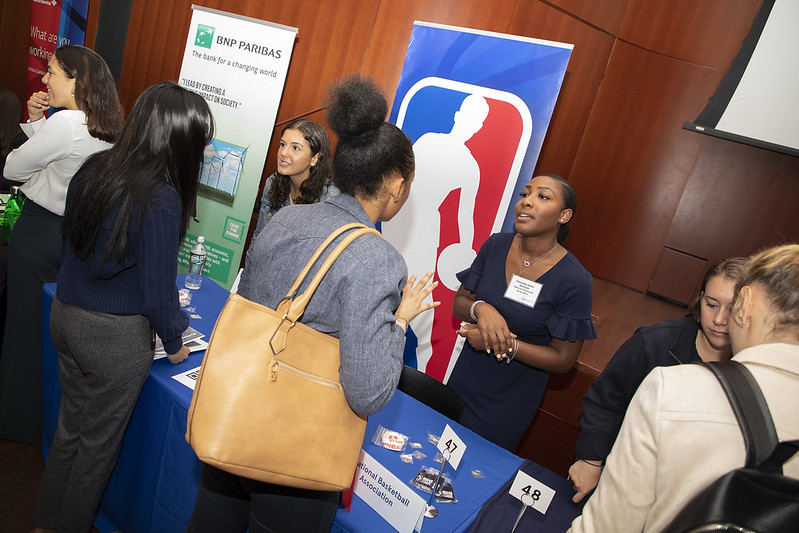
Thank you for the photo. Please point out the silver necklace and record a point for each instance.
(529, 264)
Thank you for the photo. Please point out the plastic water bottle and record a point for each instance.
(13, 208)
(194, 279)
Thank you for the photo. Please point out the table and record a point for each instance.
(154, 484)
(415, 420)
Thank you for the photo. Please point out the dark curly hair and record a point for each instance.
(320, 175)
(369, 148)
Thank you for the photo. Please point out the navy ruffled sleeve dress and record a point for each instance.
(501, 399)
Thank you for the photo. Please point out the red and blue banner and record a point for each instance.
(53, 23)
(476, 105)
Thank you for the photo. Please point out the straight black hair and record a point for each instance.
(161, 143)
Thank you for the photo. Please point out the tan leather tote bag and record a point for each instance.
(268, 403)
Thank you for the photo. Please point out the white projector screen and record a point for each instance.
(757, 102)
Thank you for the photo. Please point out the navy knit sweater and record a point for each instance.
(144, 283)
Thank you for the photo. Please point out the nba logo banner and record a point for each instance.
(476, 106)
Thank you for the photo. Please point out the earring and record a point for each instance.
(739, 319)
(394, 198)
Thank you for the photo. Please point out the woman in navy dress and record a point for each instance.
(526, 306)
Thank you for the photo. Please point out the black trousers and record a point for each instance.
(34, 257)
(228, 503)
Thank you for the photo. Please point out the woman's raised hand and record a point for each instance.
(413, 294)
(38, 104)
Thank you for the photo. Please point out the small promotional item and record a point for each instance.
(184, 296)
(451, 448)
(427, 476)
(390, 440)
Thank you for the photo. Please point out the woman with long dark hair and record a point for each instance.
(80, 84)
(364, 301)
(303, 174)
(127, 211)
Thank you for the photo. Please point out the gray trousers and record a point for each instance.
(103, 362)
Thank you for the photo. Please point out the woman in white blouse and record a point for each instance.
(79, 82)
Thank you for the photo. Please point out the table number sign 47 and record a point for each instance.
(451, 446)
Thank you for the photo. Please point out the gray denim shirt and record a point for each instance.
(355, 301)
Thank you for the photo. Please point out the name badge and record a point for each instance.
(523, 291)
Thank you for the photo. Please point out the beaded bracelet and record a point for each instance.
(471, 309)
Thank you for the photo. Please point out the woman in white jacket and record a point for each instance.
(680, 434)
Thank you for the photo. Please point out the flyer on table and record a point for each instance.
(239, 65)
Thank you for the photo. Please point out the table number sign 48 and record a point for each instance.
(531, 492)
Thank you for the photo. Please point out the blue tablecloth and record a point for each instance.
(154, 484)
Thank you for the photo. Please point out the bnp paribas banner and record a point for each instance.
(239, 65)
(476, 106)
(53, 23)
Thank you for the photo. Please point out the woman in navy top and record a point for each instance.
(526, 306)
(127, 210)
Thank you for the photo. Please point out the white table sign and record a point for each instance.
(188, 378)
(450, 441)
(531, 492)
(392, 499)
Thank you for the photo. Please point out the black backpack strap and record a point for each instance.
(784, 451)
(750, 408)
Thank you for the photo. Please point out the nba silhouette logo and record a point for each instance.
(470, 143)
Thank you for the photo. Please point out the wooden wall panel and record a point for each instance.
(392, 30)
(552, 435)
(678, 276)
(634, 162)
(154, 46)
(606, 15)
(738, 199)
(709, 32)
(92, 18)
(332, 41)
(592, 49)
(14, 35)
